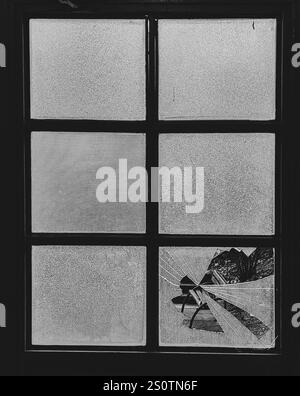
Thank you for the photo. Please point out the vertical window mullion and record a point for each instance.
(152, 207)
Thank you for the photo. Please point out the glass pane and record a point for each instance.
(64, 183)
(87, 69)
(88, 295)
(236, 195)
(231, 292)
(217, 69)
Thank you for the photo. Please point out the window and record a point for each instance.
(159, 89)
(64, 167)
(217, 69)
(83, 69)
(88, 295)
(239, 189)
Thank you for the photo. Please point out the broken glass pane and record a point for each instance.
(217, 297)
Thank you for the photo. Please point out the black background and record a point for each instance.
(13, 359)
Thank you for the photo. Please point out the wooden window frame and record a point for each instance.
(152, 10)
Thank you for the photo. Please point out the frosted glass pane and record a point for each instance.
(239, 179)
(247, 296)
(64, 184)
(88, 295)
(217, 69)
(87, 69)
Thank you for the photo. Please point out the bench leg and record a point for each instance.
(194, 316)
(185, 302)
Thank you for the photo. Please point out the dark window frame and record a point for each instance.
(151, 11)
